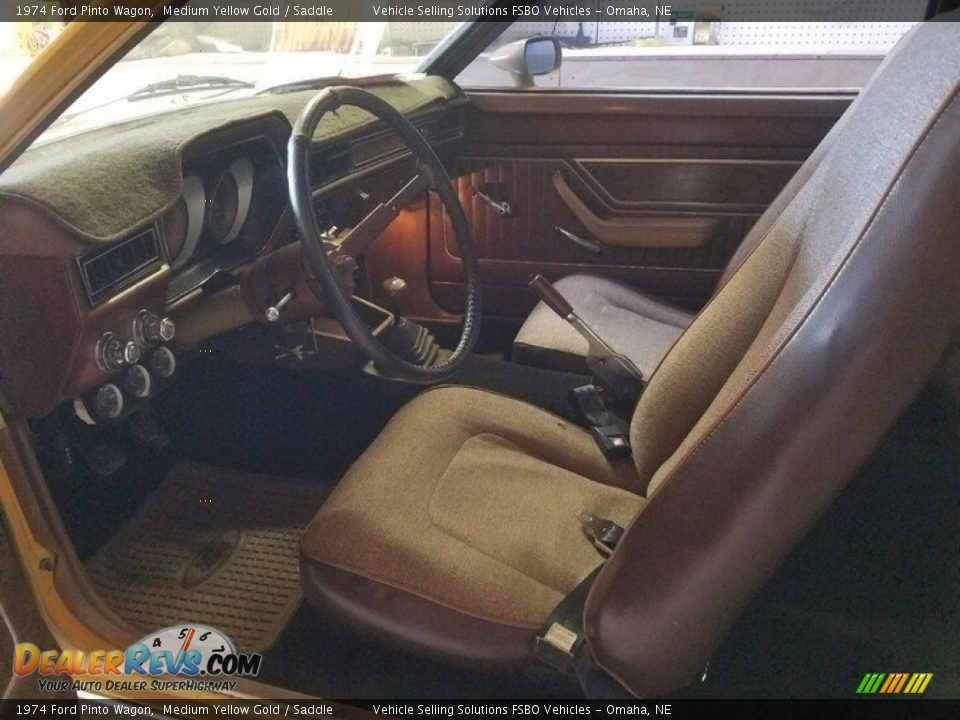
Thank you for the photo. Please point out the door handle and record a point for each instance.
(503, 208)
(591, 245)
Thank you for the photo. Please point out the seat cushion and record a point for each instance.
(463, 513)
(634, 324)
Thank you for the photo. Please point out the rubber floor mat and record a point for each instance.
(213, 547)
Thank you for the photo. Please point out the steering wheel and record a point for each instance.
(322, 255)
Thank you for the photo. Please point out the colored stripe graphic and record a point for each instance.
(903, 680)
(918, 683)
(894, 683)
(892, 679)
(870, 683)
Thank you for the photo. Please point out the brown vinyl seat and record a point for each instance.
(456, 534)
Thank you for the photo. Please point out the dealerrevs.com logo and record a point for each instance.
(204, 656)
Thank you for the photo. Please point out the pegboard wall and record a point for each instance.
(838, 32)
(825, 36)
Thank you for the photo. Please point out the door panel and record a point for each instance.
(651, 184)
(672, 182)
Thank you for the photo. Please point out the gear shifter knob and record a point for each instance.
(395, 286)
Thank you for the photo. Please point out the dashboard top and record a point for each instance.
(69, 178)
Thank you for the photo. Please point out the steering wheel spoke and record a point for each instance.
(327, 264)
(377, 220)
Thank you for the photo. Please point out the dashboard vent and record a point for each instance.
(108, 271)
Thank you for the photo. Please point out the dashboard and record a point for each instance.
(99, 321)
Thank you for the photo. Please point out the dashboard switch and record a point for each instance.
(113, 353)
(273, 312)
(150, 329)
(167, 329)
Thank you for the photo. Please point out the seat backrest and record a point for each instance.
(785, 382)
(760, 228)
(799, 179)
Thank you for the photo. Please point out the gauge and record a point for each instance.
(230, 201)
(183, 224)
(137, 381)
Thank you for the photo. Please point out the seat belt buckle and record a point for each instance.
(604, 533)
(608, 430)
(557, 647)
(612, 441)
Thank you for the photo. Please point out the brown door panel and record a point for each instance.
(511, 250)
(652, 183)
(646, 171)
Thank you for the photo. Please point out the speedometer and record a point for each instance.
(229, 202)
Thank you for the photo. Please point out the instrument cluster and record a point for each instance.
(231, 201)
(215, 208)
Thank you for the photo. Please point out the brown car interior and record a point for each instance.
(766, 291)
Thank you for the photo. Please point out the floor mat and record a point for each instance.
(214, 547)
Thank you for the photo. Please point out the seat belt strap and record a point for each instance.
(561, 637)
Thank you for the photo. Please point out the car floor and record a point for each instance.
(873, 588)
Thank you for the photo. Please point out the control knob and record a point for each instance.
(150, 329)
(113, 353)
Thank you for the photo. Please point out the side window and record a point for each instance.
(701, 53)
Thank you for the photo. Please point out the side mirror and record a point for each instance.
(524, 59)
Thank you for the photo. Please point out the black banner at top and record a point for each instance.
(473, 709)
(464, 10)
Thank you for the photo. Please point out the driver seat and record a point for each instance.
(456, 533)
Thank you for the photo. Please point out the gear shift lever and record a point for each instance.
(615, 372)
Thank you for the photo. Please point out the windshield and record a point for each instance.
(182, 63)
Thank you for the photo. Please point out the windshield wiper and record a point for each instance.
(173, 86)
(188, 83)
(298, 85)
